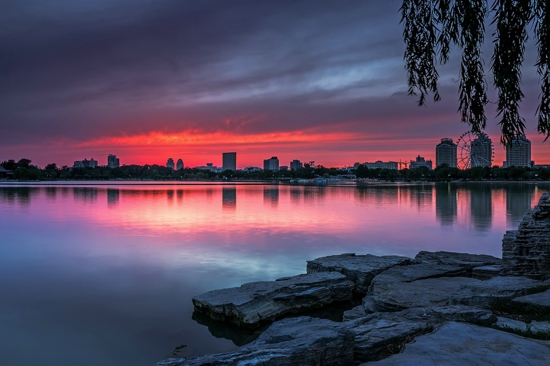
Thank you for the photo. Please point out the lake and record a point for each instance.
(103, 274)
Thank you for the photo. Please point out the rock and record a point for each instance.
(486, 272)
(458, 259)
(360, 269)
(255, 303)
(417, 272)
(540, 326)
(457, 313)
(395, 295)
(355, 313)
(369, 304)
(526, 251)
(464, 344)
(503, 322)
(302, 341)
(540, 299)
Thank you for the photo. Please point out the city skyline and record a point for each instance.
(252, 77)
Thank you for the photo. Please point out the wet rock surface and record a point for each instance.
(466, 344)
(360, 269)
(255, 303)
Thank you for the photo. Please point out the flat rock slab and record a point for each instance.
(540, 299)
(457, 259)
(417, 272)
(301, 341)
(360, 269)
(254, 303)
(395, 296)
(464, 344)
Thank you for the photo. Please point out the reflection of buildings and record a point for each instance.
(271, 164)
(445, 153)
(518, 153)
(295, 194)
(420, 161)
(85, 194)
(113, 195)
(113, 161)
(271, 194)
(445, 203)
(518, 202)
(229, 161)
(229, 197)
(481, 206)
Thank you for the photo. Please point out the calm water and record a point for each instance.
(104, 274)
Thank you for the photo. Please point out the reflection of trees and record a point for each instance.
(481, 206)
(295, 194)
(229, 197)
(51, 193)
(271, 194)
(445, 203)
(20, 195)
(518, 202)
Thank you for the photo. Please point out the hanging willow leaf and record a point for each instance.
(542, 34)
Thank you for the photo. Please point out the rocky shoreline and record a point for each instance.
(436, 308)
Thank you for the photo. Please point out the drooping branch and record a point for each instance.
(511, 19)
(542, 34)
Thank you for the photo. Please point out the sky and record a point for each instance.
(313, 80)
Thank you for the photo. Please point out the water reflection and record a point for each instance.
(113, 196)
(446, 203)
(271, 195)
(481, 206)
(85, 194)
(229, 198)
(518, 201)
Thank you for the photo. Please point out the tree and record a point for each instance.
(431, 26)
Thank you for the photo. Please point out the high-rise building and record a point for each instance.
(295, 165)
(112, 161)
(170, 163)
(420, 161)
(518, 152)
(445, 153)
(382, 165)
(179, 164)
(85, 163)
(481, 151)
(271, 164)
(229, 161)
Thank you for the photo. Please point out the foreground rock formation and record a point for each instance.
(432, 309)
(526, 251)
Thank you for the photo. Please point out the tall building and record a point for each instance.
(112, 161)
(420, 161)
(481, 151)
(445, 153)
(271, 164)
(179, 164)
(229, 161)
(170, 163)
(295, 165)
(518, 152)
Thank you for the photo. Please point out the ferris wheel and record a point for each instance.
(474, 150)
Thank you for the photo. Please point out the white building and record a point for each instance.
(445, 153)
(271, 164)
(296, 165)
(382, 165)
(518, 152)
(420, 161)
(481, 151)
(113, 161)
(170, 163)
(229, 161)
(179, 164)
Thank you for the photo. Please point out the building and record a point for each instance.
(179, 164)
(229, 161)
(481, 151)
(296, 165)
(85, 163)
(112, 161)
(518, 152)
(170, 163)
(445, 153)
(382, 165)
(420, 161)
(209, 166)
(271, 164)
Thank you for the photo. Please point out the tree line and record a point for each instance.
(24, 170)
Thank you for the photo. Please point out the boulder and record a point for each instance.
(360, 269)
(301, 341)
(526, 251)
(255, 303)
(465, 344)
(540, 299)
